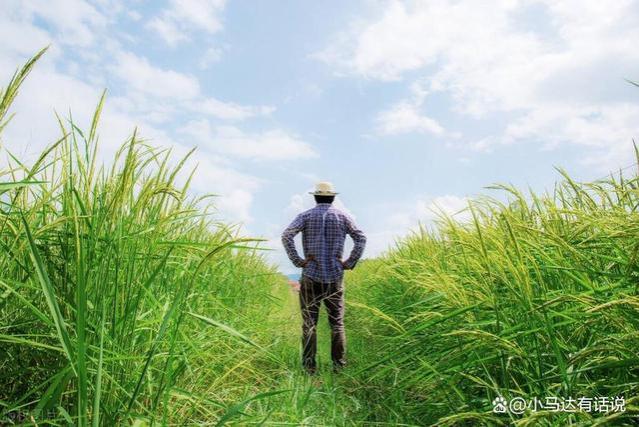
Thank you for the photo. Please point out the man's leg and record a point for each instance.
(335, 307)
(310, 300)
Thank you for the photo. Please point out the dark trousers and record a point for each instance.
(312, 294)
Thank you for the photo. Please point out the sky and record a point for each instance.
(408, 107)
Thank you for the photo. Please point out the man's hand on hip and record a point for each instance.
(345, 266)
(307, 260)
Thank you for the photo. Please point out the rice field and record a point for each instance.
(532, 299)
(123, 302)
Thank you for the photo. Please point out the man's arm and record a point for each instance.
(288, 241)
(359, 242)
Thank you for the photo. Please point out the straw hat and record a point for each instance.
(323, 189)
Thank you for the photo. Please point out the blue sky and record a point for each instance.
(404, 106)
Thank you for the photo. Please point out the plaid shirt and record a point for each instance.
(324, 229)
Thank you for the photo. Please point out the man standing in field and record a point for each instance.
(324, 229)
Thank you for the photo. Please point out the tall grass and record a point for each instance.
(120, 296)
(536, 297)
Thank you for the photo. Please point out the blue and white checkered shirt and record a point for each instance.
(324, 229)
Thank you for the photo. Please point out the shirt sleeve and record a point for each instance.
(288, 241)
(359, 242)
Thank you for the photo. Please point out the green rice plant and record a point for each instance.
(107, 274)
(536, 297)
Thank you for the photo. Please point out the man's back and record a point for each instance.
(324, 229)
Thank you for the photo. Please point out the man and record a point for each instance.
(324, 229)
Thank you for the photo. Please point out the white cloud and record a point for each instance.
(215, 175)
(11, 53)
(210, 57)
(405, 117)
(384, 48)
(140, 75)
(552, 65)
(161, 92)
(408, 116)
(134, 15)
(604, 129)
(176, 22)
(168, 30)
(274, 144)
(74, 21)
(231, 111)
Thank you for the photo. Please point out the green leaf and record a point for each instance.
(226, 328)
(236, 409)
(6, 186)
(49, 294)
